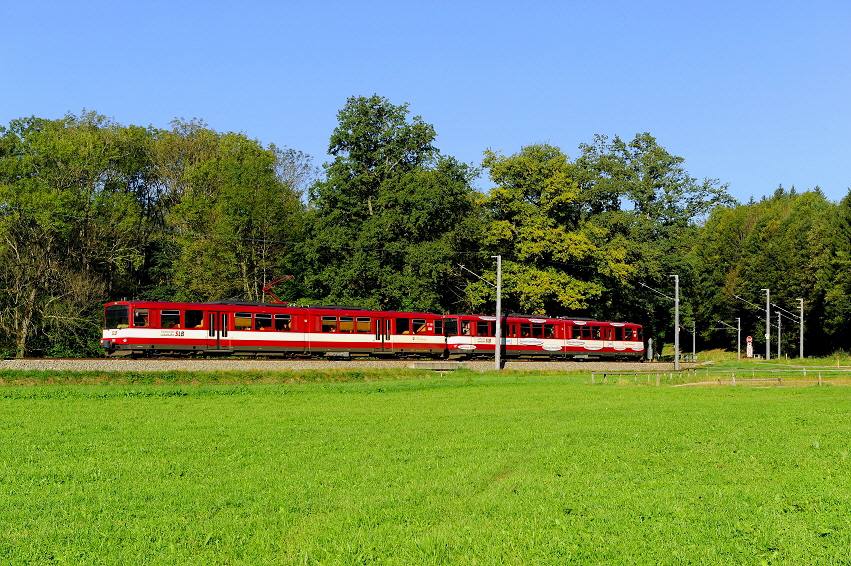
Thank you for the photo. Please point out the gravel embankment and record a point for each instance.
(235, 364)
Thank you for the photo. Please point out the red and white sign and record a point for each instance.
(750, 339)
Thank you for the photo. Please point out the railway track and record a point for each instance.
(236, 364)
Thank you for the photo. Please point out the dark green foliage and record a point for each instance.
(791, 244)
(391, 217)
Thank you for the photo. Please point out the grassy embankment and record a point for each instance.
(460, 469)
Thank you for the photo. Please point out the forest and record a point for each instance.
(93, 211)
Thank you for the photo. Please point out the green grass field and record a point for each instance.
(467, 468)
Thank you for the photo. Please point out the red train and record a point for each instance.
(145, 328)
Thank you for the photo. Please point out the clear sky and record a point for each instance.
(755, 94)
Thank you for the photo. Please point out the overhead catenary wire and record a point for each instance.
(795, 319)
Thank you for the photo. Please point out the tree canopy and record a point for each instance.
(93, 211)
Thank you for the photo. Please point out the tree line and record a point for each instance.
(93, 211)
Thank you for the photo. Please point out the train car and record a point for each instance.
(530, 336)
(146, 328)
(587, 339)
(470, 336)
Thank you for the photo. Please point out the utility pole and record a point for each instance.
(497, 350)
(676, 322)
(497, 354)
(767, 324)
(739, 340)
(693, 341)
(778, 335)
(801, 320)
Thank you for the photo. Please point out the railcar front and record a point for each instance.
(148, 328)
(142, 327)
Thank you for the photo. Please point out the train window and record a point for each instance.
(116, 316)
(482, 328)
(364, 324)
(586, 332)
(347, 324)
(194, 319)
(524, 330)
(419, 326)
(450, 326)
(242, 321)
(403, 326)
(262, 321)
(619, 333)
(537, 330)
(282, 322)
(465, 327)
(170, 319)
(140, 317)
(549, 331)
(438, 327)
(329, 324)
(595, 332)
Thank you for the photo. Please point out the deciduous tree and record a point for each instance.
(391, 215)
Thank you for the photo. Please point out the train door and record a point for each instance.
(608, 338)
(382, 336)
(217, 331)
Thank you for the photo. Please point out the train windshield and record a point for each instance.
(116, 316)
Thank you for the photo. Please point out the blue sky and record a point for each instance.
(755, 94)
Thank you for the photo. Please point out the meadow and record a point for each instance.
(464, 468)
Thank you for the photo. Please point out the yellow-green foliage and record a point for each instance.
(535, 207)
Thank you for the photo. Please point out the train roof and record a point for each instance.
(238, 303)
(514, 316)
